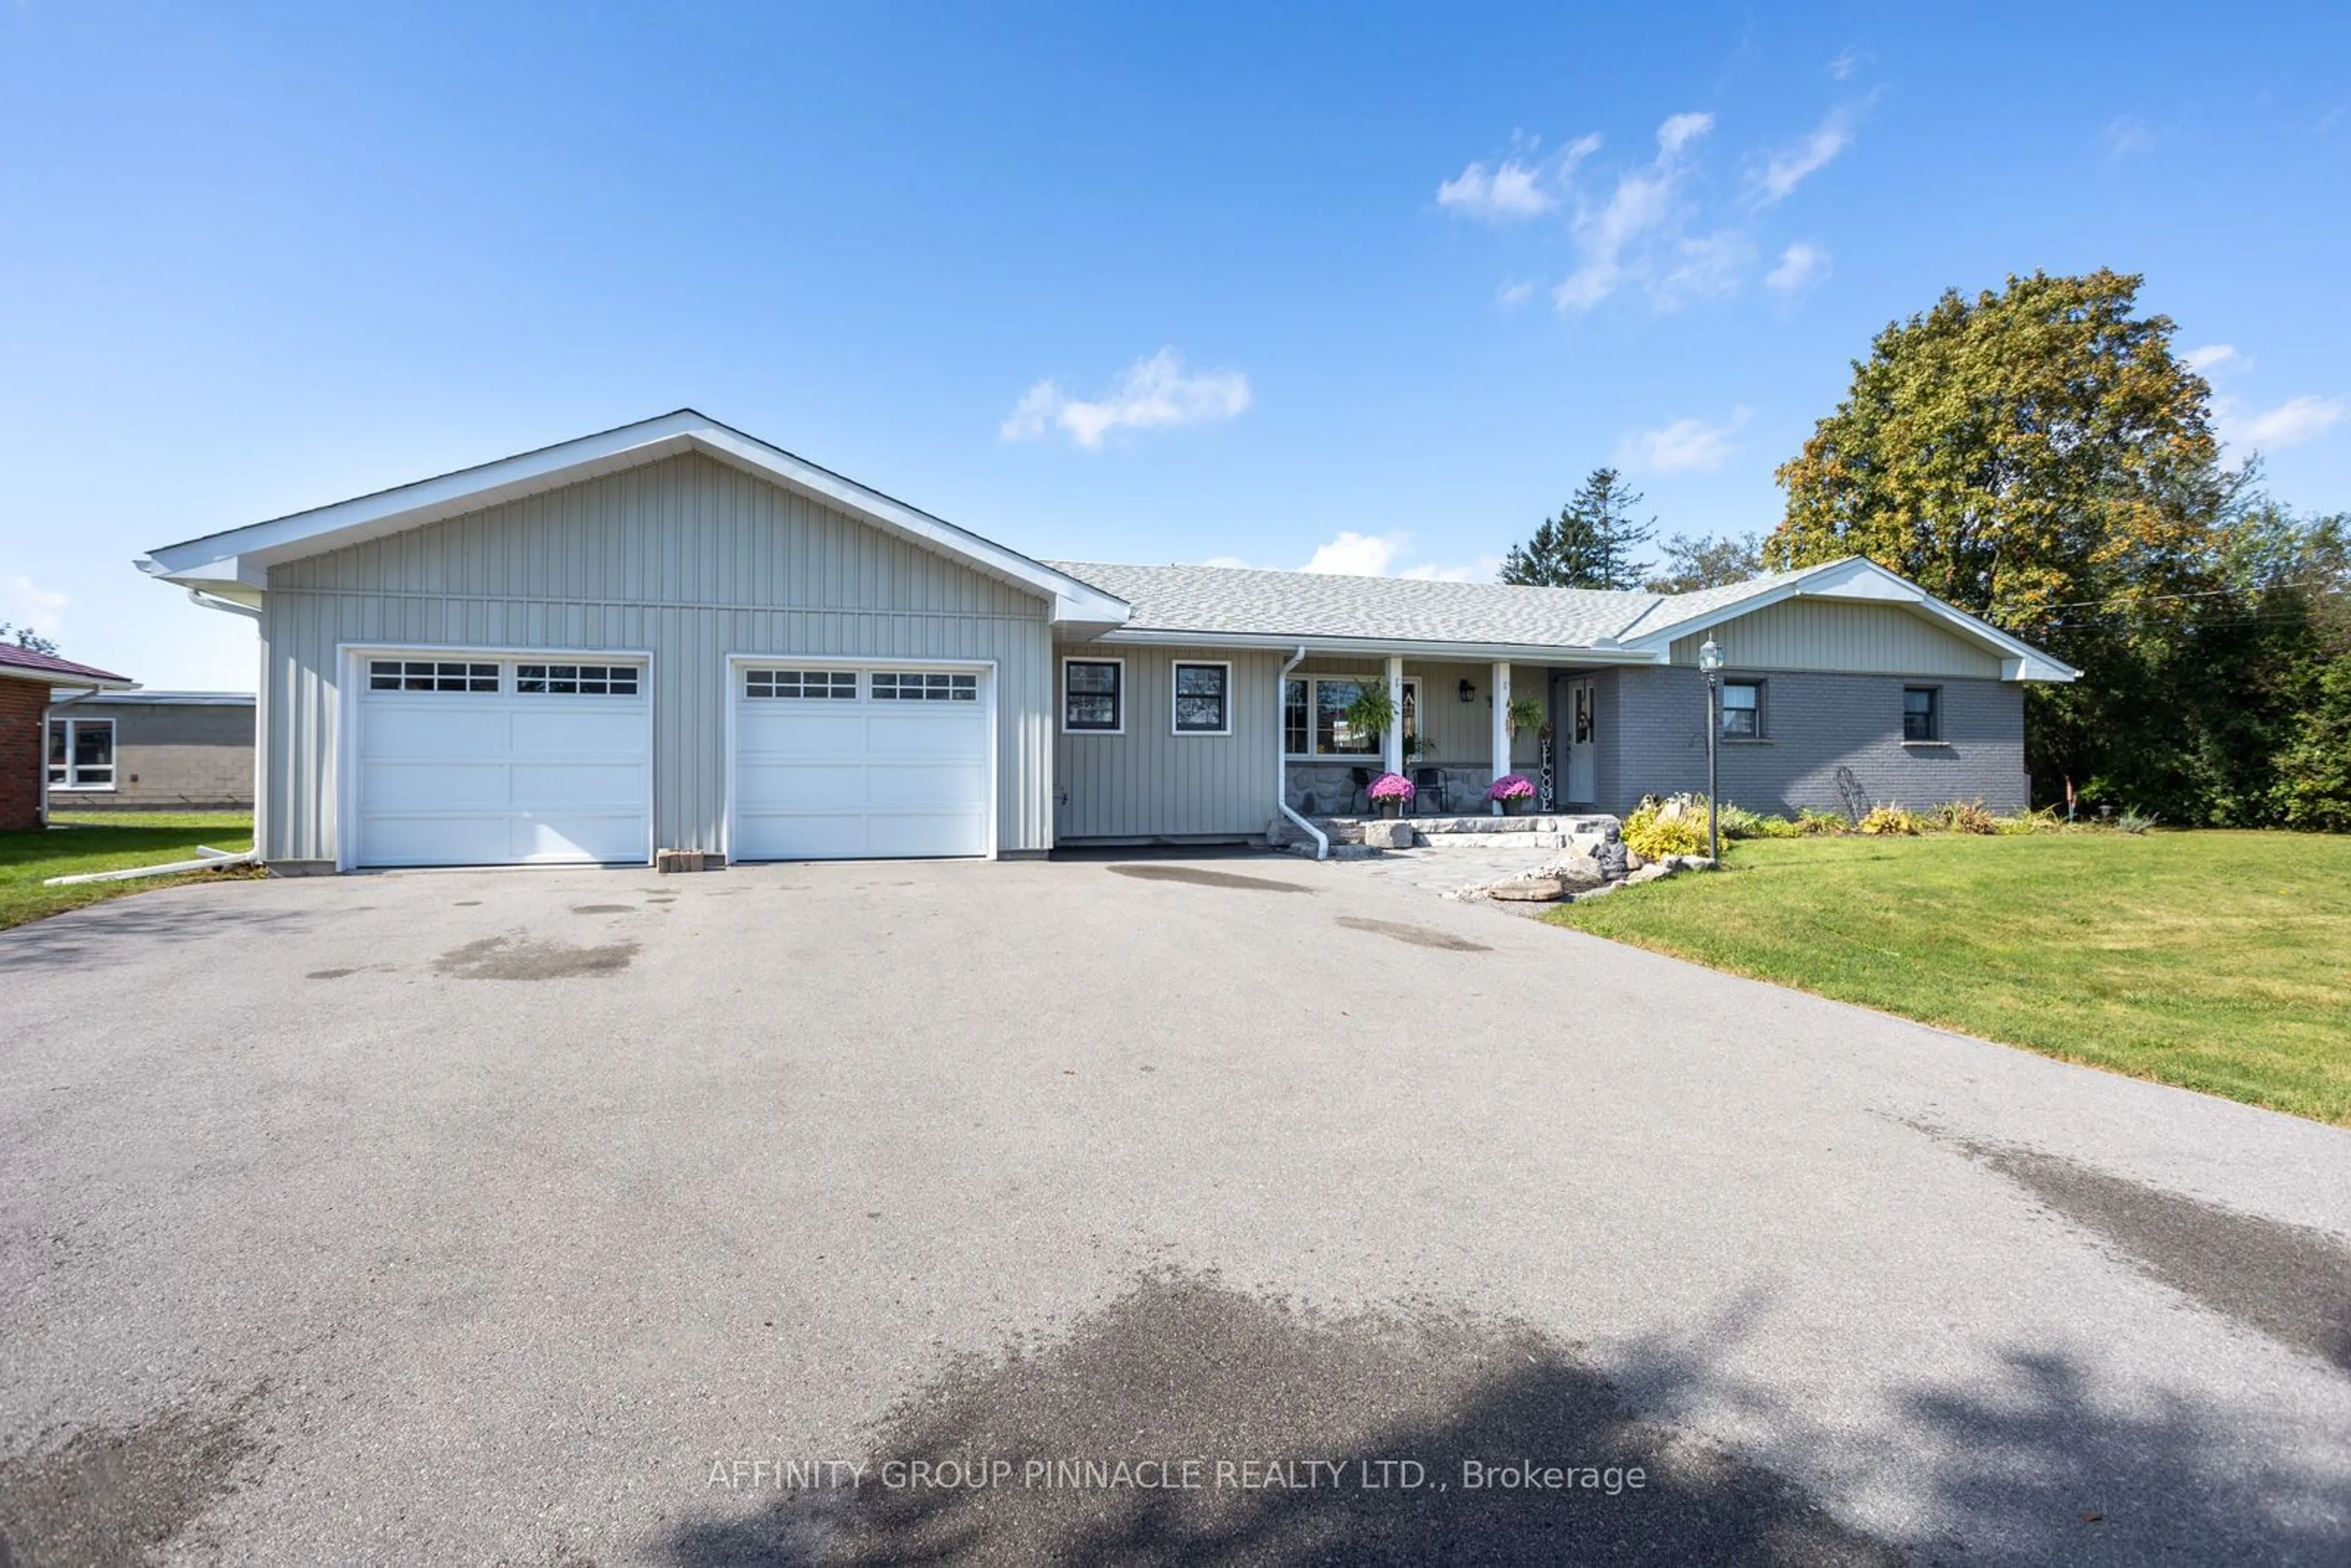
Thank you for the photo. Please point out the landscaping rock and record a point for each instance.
(1648, 873)
(1634, 859)
(1389, 835)
(1576, 871)
(1689, 862)
(1530, 890)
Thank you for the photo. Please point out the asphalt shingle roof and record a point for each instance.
(26, 663)
(1250, 602)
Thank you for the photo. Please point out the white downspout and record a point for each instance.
(197, 596)
(1282, 766)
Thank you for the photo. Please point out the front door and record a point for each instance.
(1583, 699)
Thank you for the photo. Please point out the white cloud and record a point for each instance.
(1704, 268)
(23, 604)
(1352, 554)
(1510, 190)
(2292, 422)
(1848, 61)
(2126, 135)
(1642, 203)
(1510, 296)
(1800, 263)
(2208, 356)
(1783, 171)
(1519, 186)
(1680, 130)
(1358, 555)
(1685, 443)
(1152, 393)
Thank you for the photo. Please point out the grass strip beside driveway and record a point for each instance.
(108, 841)
(2217, 961)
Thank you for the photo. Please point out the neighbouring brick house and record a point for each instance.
(165, 751)
(27, 680)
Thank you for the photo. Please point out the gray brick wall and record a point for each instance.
(1653, 741)
(167, 757)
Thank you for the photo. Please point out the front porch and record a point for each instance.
(1457, 736)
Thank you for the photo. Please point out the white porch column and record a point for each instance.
(1391, 743)
(1501, 723)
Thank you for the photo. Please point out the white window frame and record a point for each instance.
(1062, 696)
(1174, 695)
(113, 758)
(1419, 712)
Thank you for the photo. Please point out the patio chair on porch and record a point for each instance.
(1363, 778)
(1430, 792)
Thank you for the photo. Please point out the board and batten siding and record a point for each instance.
(1151, 782)
(1843, 635)
(688, 558)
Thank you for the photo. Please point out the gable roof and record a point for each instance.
(1494, 619)
(48, 669)
(234, 564)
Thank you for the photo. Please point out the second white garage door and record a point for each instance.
(837, 761)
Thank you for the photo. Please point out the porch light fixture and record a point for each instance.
(1468, 691)
(1709, 659)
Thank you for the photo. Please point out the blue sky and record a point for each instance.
(1376, 287)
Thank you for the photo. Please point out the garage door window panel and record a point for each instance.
(924, 686)
(576, 680)
(802, 685)
(431, 676)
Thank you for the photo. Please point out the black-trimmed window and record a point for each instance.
(1922, 713)
(924, 685)
(1094, 695)
(431, 676)
(821, 685)
(576, 680)
(1204, 699)
(82, 754)
(1743, 710)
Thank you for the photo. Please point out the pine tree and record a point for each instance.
(1592, 543)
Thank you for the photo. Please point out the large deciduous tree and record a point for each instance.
(1594, 541)
(2039, 457)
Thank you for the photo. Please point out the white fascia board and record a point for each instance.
(1377, 647)
(255, 547)
(1855, 579)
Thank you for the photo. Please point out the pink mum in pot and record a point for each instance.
(1512, 787)
(1391, 787)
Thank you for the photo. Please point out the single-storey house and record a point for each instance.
(34, 750)
(154, 751)
(672, 636)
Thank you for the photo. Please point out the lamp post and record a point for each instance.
(1709, 659)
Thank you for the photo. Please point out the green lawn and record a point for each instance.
(106, 841)
(2219, 961)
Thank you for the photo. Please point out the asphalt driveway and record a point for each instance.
(1243, 1210)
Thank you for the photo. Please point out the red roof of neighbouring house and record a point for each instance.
(27, 666)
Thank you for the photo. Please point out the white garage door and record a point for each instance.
(844, 762)
(500, 760)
